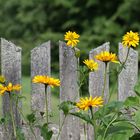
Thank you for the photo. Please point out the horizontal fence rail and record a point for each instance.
(41, 65)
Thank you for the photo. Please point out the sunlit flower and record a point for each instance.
(87, 102)
(2, 79)
(107, 57)
(91, 64)
(46, 80)
(72, 38)
(9, 88)
(130, 39)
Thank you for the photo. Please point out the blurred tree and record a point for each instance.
(30, 22)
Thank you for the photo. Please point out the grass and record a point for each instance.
(26, 84)
(26, 102)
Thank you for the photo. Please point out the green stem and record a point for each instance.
(85, 132)
(46, 102)
(61, 128)
(105, 75)
(114, 118)
(27, 122)
(94, 124)
(32, 130)
(123, 64)
(12, 116)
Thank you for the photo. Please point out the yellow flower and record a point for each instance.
(2, 89)
(9, 88)
(91, 64)
(46, 80)
(131, 39)
(87, 102)
(72, 38)
(2, 79)
(107, 57)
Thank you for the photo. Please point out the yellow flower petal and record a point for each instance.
(91, 64)
(87, 102)
(46, 80)
(106, 56)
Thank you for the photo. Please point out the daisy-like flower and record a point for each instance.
(43, 79)
(91, 64)
(9, 88)
(87, 102)
(106, 56)
(130, 39)
(2, 79)
(72, 38)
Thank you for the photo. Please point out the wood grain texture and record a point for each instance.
(11, 69)
(40, 65)
(68, 90)
(128, 76)
(96, 81)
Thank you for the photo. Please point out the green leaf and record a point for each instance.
(31, 118)
(110, 108)
(20, 134)
(66, 106)
(132, 101)
(136, 118)
(135, 137)
(137, 89)
(45, 132)
(118, 131)
(82, 116)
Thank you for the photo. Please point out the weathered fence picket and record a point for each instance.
(68, 90)
(40, 65)
(96, 81)
(11, 69)
(129, 75)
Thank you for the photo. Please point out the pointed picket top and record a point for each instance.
(11, 70)
(129, 75)
(68, 90)
(96, 79)
(40, 65)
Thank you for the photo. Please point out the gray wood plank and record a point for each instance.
(40, 65)
(11, 69)
(128, 76)
(68, 90)
(96, 81)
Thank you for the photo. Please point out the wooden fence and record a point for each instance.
(40, 65)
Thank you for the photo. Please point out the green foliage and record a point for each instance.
(119, 130)
(66, 106)
(135, 137)
(31, 118)
(132, 101)
(137, 89)
(29, 23)
(45, 132)
(20, 135)
(82, 116)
